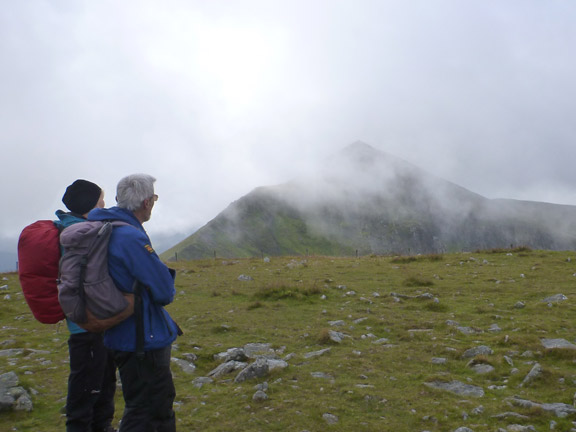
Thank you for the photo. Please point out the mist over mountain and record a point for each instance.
(368, 202)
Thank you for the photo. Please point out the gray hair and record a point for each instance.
(132, 190)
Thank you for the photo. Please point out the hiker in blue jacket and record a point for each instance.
(92, 379)
(144, 366)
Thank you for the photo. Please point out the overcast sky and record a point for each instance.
(215, 98)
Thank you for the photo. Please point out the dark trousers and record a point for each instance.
(148, 391)
(91, 384)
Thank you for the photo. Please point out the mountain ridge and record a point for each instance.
(365, 201)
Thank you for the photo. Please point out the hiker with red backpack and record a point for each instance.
(92, 378)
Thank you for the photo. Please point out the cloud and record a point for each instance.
(217, 98)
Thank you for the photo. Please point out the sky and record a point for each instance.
(215, 98)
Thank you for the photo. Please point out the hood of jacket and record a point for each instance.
(67, 219)
(115, 213)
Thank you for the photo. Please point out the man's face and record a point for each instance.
(148, 206)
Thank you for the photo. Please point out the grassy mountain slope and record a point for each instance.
(367, 201)
(378, 377)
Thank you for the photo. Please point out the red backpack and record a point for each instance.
(38, 258)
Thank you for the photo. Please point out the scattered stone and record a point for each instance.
(534, 373)
(276, 364)
(12, 352)
(254, 350)
(12, 396)
(259, 396)
(330, 418)
(200, 381)
(519, 305)
(438, 360)
(184, 365)
(258, 369)
(557, 343)
(381, 341)
(245, 278)
(457, 387)
(478, 410)
(510, 414)
(480, 350)
(464, 429)
(191, 357)
(321, 375)
(226, 368)
(494, 328)
(482, 368)
(3, 287)
(497, 387)
(338, 323)
(520, 428)
(235, 354)
(317, 353)
(555, 298)
(466, 330)
(425, 296)
(558, 409)
(336, 336)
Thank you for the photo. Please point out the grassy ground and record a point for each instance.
(371, 387)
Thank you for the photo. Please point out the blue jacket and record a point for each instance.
(65, 220)
(130, 258)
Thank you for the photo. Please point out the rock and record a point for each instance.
(337, 323)
(559, 409)
(464, 429)
(330, 418)
(253, 350)
(555, 298)
(258, 369)
(336, 336)
(276, 364)
(381, 341)
(534, 373)
(457, 387)
(520, 428)
(191, 357)
(519, 305)
(200, 381)
(482, 368)
(321, 375)
(480, 350)
(226, 368)
(11, 352)
(262, 386)
(184, 365)
(245, 278)
(234, 354)
(13, 397)
(466, 330)
(557, 343)
(259, 396)
(494, 328)
(509, 414)
(438, 360)
(317, 353)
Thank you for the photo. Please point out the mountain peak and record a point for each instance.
(360, 149)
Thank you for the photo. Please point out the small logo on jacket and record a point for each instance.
(149, 248)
